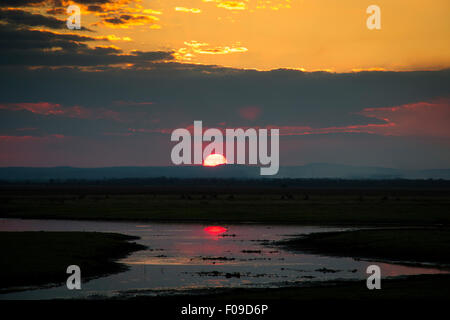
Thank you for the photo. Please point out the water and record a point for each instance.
(185, 257)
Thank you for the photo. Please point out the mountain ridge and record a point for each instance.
(308, 171)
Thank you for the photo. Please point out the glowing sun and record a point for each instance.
(214, 159)
(215, 230)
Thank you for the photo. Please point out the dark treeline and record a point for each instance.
(164, 185)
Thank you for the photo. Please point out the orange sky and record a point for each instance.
(268, 34)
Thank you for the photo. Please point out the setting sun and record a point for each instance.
(215, 230)
(214, 160)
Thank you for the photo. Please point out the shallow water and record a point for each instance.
(183, 257)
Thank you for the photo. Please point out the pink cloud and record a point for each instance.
(39, 107)
(47, 108)
(427, 119)
(415, 119)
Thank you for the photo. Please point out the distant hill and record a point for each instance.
(327, 170)
(64, 173)
(309, 171)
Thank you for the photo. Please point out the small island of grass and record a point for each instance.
(421, 245)
(40, 258)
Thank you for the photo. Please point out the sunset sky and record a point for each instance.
(111, 93)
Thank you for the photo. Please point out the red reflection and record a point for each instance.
(215, 230)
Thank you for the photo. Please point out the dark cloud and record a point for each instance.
(17, 17)
(98, 56)
(182, 93)
(95, 8)
(45, 48)
(83, 56)
(126, 18)
(28, 3)
(22, 3)
(56, 11)
(12, 38)
(20, 17)
(90, 2)
(113, 17)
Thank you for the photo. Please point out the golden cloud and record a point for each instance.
(188, 10)
(229, 5)
(195, 47)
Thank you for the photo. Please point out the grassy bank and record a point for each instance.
(412, 244)
(307, 208)
(37, 258)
